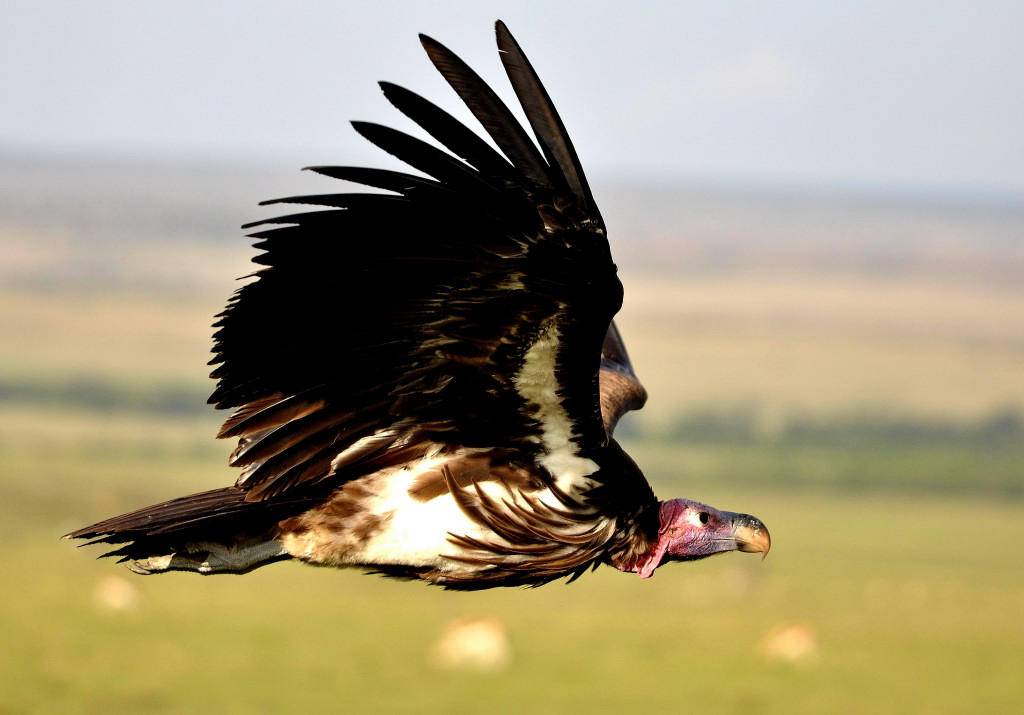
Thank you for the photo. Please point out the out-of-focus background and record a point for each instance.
(818, 212)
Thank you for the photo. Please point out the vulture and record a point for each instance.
(424, 377)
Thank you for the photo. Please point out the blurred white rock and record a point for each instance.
(790, 643)
(473, 644)
(117, 594)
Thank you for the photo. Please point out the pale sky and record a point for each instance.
(912, 96)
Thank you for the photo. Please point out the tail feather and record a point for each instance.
(212, 531)
(183, 513)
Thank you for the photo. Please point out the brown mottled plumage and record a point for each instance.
(425, 379)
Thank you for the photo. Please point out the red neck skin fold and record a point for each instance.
(669, 513)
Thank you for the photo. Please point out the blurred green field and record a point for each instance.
(871, 419)
(897, 602)
(895, 579)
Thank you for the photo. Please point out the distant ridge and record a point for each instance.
(92, 203)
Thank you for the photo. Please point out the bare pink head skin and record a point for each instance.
(690, 530)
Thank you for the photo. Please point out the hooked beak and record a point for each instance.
(750, 534)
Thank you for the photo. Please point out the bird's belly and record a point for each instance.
(375, 521)
(413, 532)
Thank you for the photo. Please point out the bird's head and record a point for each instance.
(690, 530)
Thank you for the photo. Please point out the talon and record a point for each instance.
(137, 567)
(151, 565)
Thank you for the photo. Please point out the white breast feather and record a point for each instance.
(417, 532)
(420, 533)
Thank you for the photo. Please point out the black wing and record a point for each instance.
(429, 313)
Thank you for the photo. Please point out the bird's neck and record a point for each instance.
(644, 550)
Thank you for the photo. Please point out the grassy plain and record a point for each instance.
(906, 602)
(894, 583)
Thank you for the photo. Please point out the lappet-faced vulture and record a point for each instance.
(424, 378)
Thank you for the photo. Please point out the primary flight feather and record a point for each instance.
(424, 382)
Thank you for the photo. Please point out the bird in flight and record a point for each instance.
(424, 378)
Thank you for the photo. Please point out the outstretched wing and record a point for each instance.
(466, 307)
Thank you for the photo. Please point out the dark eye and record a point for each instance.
(704, 517)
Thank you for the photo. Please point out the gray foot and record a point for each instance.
(207, 557)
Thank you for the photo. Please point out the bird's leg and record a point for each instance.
(208, 557)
